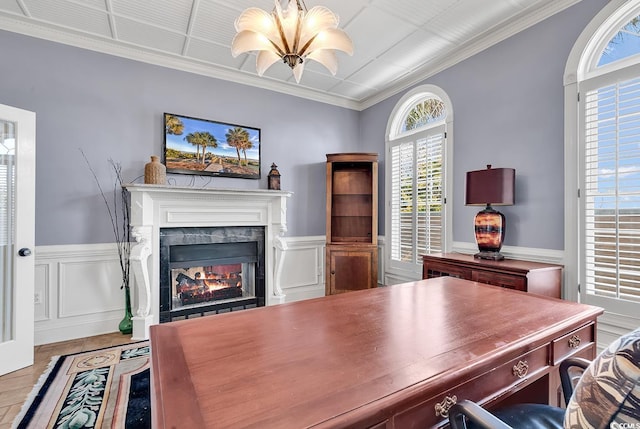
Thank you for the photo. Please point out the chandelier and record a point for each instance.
(293, 35)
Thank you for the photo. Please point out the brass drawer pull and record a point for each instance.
(574, 342)
(442, 409)
(520, 370)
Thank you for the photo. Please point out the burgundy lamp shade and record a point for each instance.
(490, 186)
(487, 187)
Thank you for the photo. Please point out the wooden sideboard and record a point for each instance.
(527, 276)
(392, 357)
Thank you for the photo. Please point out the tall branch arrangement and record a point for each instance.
(118, 208)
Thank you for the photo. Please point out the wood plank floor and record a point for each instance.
(16, 386)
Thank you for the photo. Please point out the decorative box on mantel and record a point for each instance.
(158, 206)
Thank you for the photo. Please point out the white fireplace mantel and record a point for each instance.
(158, 206)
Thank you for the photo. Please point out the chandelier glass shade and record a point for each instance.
(293, 35)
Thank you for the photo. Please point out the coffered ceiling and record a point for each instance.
(397, 43)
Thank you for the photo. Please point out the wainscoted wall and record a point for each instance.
(611, 326)
(77, 287)
(303, 269)
(77, 291)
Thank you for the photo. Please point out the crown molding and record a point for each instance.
(471, 49)
(97, 43)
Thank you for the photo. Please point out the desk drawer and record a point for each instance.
(432, 270)
(502, 280)
(573, 342)
(527, 367)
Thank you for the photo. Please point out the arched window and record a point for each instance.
(603, 148)
(415, 180)
(425, 113)
(624, 44)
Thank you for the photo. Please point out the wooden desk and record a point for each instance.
(391, 357)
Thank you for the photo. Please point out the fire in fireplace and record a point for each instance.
(203, 284)
(208, 270)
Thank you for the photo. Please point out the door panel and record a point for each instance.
(17, 236)
(351, 269)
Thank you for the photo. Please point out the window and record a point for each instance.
(7, 175)
(416, 215)
(605, 64)
(611, 196)
(624, 44)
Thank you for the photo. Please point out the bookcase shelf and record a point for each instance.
(352, 222)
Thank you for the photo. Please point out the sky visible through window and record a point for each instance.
(624, 44)
(618, 146)
(618, 129)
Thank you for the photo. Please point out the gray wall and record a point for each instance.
(112, 108)
(508, 103)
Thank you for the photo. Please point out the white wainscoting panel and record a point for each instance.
(394, 279)
(42, 279)
(77, 292)
(611, 326)
(303, 268)
(381, 262)
(89, 288)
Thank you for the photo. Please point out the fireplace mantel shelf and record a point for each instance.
(213, 191)
(160, 206)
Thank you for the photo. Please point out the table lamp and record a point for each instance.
(491, 186)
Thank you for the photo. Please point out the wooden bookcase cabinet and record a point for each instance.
(527, 276)
(352, 222)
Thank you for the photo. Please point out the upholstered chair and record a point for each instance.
(607, 395)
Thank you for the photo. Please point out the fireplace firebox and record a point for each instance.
(210, 270)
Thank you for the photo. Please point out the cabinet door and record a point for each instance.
(349, 270)
(502, 280)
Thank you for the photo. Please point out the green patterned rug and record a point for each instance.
(106, 388)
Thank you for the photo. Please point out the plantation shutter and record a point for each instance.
(416, 196)
(7, 200)
(611, 196)
(429, 186)
(7, 177)
(402, 202)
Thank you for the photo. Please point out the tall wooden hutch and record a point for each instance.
(352, 222)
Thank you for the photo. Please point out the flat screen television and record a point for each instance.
(210, 148)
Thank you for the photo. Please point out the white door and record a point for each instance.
(17, 235)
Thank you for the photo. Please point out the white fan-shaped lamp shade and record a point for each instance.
(292, 35)
(327, 58)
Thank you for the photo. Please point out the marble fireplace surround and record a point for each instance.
(159, 206)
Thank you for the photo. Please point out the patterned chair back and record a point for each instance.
(608, 393)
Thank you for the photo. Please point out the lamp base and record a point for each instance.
(496, 256)
(489, 225)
